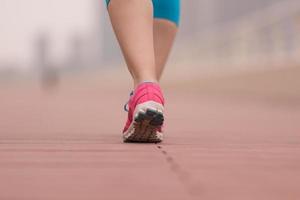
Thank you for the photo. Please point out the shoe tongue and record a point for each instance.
(145, 82)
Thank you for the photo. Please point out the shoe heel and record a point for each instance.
(147, 123)
(152, 117)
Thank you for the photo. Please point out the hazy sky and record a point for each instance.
(21, 21)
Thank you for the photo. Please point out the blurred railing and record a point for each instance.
(265, 38)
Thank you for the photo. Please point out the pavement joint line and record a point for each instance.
(50, 141)
(183, 176)
(56, 150)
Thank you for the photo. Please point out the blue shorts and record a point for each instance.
(165, 9)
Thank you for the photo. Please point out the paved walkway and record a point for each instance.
(66, 145)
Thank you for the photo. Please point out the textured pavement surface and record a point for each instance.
(66, 144)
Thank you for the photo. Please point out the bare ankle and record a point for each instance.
(139, 81)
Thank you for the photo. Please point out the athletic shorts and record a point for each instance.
(165, 9)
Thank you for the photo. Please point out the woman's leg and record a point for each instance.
(145, 44)
(132, 21)
(166, 14)
(164, 35)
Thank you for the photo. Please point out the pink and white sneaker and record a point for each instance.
(145, 114)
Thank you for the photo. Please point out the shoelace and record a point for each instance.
(126, 104)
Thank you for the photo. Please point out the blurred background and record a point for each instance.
(232, 90)
(237, 49)
(216, 36)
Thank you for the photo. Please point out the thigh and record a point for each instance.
(167, 9)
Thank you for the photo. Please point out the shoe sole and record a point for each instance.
(147, 121)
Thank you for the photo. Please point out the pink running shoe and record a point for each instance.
(145, 114)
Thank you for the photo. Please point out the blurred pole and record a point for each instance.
(97, 33)
(76, 55)
(48, 74)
